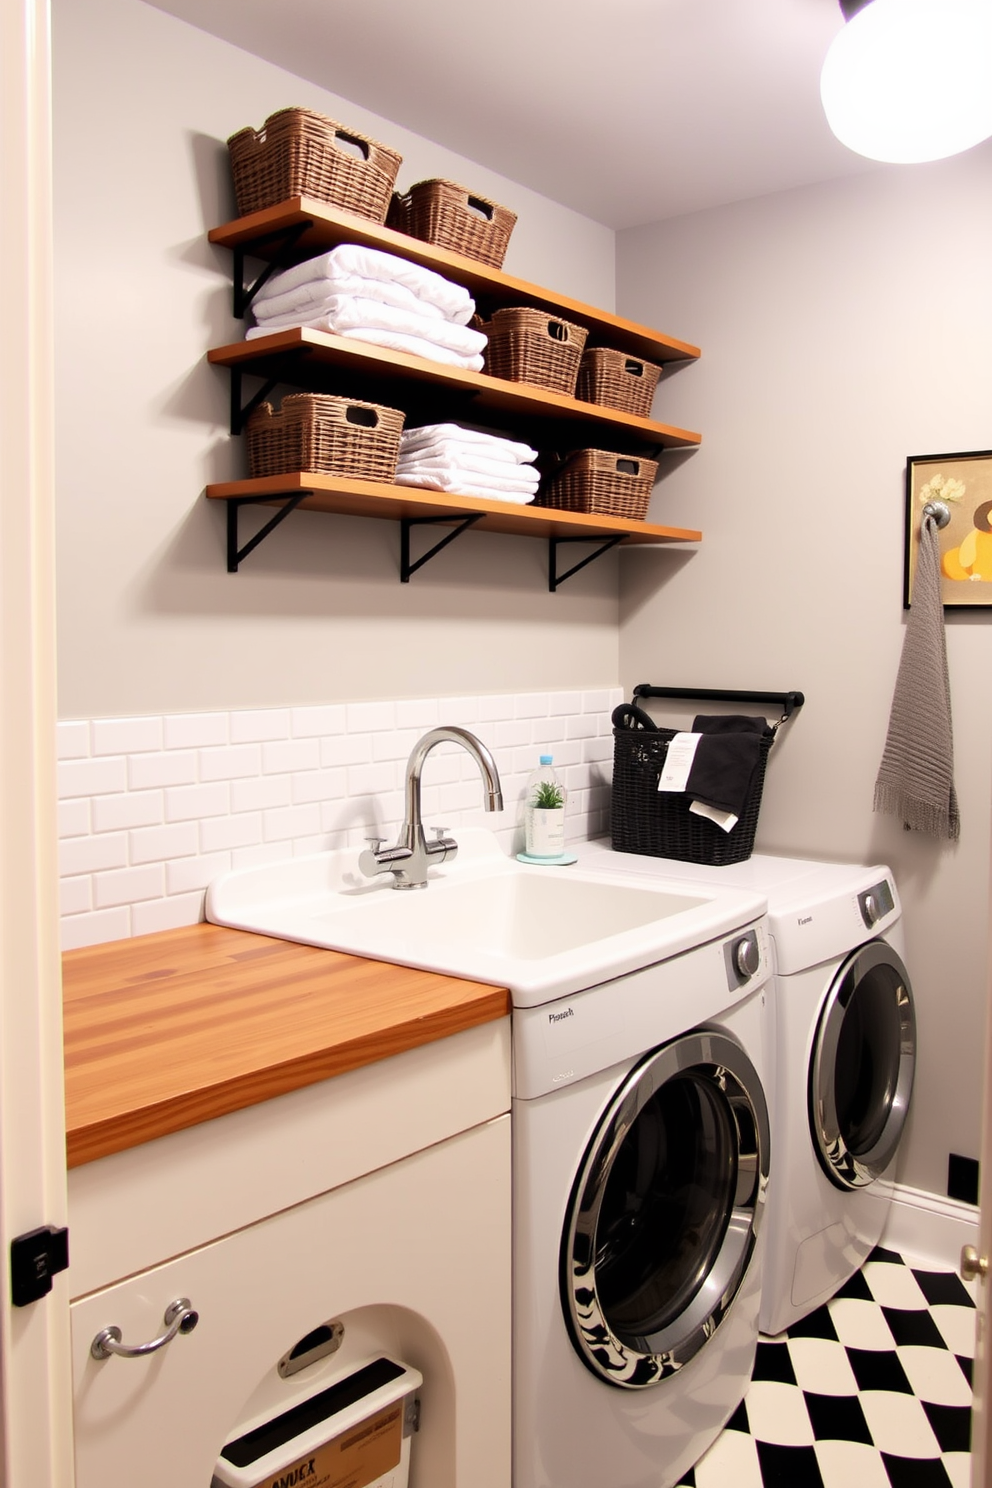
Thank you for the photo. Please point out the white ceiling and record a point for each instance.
(628, 111)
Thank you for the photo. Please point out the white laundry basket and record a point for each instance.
(355, 1431)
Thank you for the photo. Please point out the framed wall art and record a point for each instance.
(964, 483)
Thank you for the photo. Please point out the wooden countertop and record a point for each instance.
(165, 1031)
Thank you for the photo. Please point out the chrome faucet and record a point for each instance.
(412, 855)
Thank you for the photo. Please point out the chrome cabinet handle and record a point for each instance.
(180, 1317)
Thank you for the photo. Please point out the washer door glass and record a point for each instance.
(665, 1209)
(861, 1071)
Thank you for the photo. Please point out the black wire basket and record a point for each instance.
(659, 823)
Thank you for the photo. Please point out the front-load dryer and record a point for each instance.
(845, 1054)
(640, 1167)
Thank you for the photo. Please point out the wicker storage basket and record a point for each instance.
(451, 216)
(297, 153)
(528, 345)
(616, 380)
(659, 823)
(314, 431)
(593, 480)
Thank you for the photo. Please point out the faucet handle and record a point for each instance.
(375, 842)
(440, 833)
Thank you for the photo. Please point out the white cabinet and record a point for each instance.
(413, 1258)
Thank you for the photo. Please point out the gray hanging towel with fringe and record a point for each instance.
(916, 777)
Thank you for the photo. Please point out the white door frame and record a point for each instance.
(35, 1378)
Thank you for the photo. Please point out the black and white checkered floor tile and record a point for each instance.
(872, 1390)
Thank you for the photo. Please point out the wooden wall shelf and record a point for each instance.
(325, 363)
(429, 391)
(321, 227)
(411, 507)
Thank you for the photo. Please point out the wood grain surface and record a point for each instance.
(165, 1031)
(327, 225)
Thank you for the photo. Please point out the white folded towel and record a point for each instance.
(341, 313)
(317, 291)
(472, 467)
(450, 485)
(452, 300)
(461, 442)
(456, 479)
(395, 340)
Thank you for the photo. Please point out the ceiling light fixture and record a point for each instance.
(908, 80)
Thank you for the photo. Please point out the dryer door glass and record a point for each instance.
(664, 1212)
(861, 1071)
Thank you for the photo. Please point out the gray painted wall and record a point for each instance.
(843, 327)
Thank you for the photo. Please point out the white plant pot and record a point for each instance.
(546, 832)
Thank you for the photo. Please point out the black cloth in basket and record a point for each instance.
(659, 823)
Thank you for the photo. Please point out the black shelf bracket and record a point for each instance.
(236, 555)
(406, 523)
(240, 413)
(556, 579)
(286, 239)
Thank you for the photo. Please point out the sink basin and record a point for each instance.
(543, 932)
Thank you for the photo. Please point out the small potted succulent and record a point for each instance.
(546, 820)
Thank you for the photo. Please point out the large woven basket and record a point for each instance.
(659, 823)
(616, 380)
(602, 482)
(451, 216)
(298, 152)
(317, 432)
(527, 345)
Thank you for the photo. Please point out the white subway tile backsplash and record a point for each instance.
(597, 702)
(346, 749)
(129, 809)
(531, 705)
(565, 702)
(128, 885)
(366, 718)
(169, 767)
(190, 802)
(282, 825)
(370, 780)
(126, 735)
(167, 914)
(291, 754)
(233, 762)
(185, 874)
(74, 818)
(308, 723)
(91, 777)
(76, 894)
(258, 795)
(509, 732)
(72, 740)
(157, 844)
(220, 833)
(420, 713)
(319, 785)
(196, 730)
(153, 808)
(396, 744)
(583, 727)
(256, 726)
(92, 854)
(95, 928)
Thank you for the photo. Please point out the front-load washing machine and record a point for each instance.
(640, 1167)
(845, 1039)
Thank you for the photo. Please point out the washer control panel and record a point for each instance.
(875, 903)
(742, 954)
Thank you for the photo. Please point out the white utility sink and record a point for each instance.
(544, 932)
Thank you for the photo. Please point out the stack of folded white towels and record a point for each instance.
(367, 295)
(449, 457)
